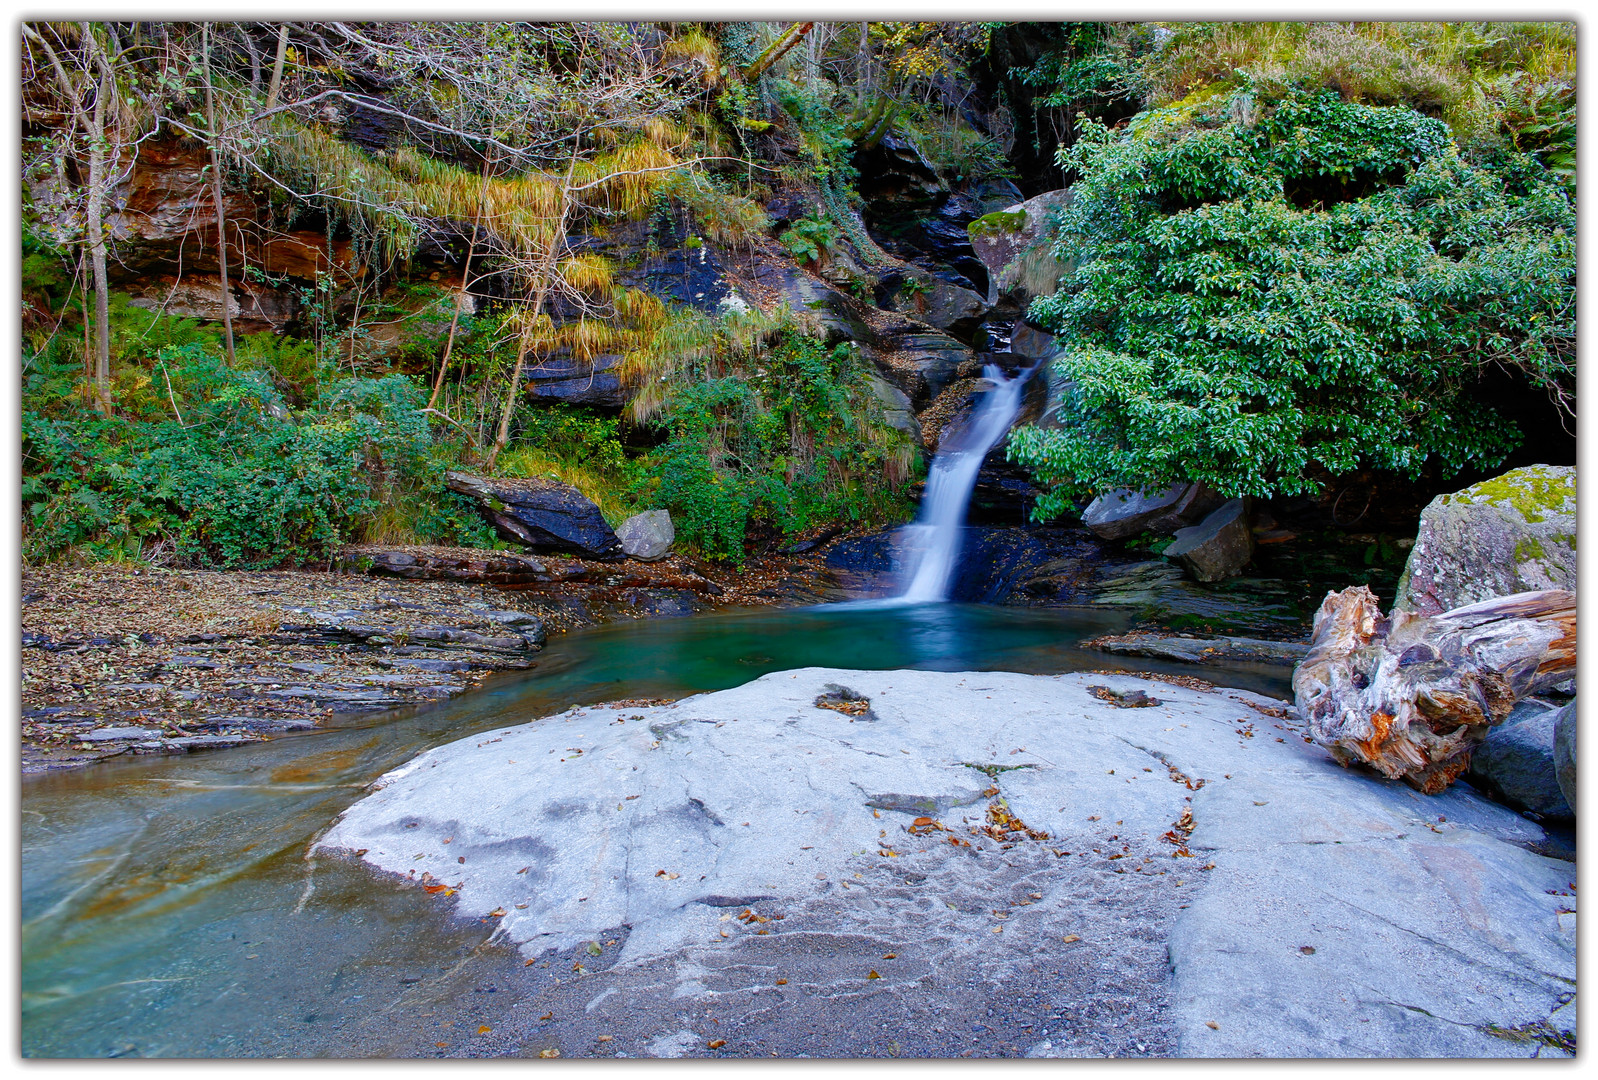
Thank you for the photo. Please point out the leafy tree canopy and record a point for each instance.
(1265, 292)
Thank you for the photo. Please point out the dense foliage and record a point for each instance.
(1264, 291)
(208, 465)
(769, 429)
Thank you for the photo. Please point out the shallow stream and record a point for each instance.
(169, 909)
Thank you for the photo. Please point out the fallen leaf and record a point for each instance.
(1307, 950)
(998, 929)
(483, 1029)
(524, 869)
(496, 913)
(1035, 895)
(1212, 1025)
(1070, 938)
(606, 1038)
(550, 1053)
(890, 956)
(873, 975)
(716, 1044)
(530, 963)
(441, 1044)
(547, 1016)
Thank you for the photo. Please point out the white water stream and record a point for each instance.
(933, 542)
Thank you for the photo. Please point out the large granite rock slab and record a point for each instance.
(1516, 761)
(1513, 533)
(1217, 547)
(1034, 833)
(546, 515)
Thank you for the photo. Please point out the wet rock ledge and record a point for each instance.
(118, 660)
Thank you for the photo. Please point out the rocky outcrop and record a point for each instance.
(648, 536)
(1032, 344)
(1014, 244)
(921, 362)
(1516, 761)
(1217, 547)
(1413, 695)
(546, 515)
(833, 315)
(935, 300)
(569, 380)
(1513, 533)
(1250, 862)
(1121, 513)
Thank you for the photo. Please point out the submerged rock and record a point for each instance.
(546, 515)
(648, 536)
(1513, 533)
(1251, 862)
(1217, 547)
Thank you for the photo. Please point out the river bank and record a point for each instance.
(143, 660)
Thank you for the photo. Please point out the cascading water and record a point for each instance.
(933, 542)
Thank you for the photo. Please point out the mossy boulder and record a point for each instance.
(1015, 245)
(1510, 534)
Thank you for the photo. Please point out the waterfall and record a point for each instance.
(933, 542)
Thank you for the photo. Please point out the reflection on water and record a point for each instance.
(168, 907)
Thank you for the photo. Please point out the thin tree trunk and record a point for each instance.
(277, 65)
(460, 301)
(216, 192)
(94, 225)
(777, 50)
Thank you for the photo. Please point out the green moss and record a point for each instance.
(999, 221)
(1528, 549)
(1530, 491)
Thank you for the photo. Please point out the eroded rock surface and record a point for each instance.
(1196, 877)
(1217, 547)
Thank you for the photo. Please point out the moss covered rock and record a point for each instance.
(1513, 533)
(1014, 244)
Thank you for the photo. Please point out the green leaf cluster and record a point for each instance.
(1271, 292)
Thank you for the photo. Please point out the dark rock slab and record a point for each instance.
(1565, 753)
(546, 515)
(1197, 650)
(572, 381)
(1516, 761)
(1219, 546)
(1121, 513)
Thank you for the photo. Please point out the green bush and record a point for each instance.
(1271, 289)
(239, 480)
(786, 435)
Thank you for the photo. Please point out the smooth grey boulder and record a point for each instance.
(1565, 753)
(546, 515)
(1283, 906)
(1217, 547)
(939, 303)
(1121, 513)
(1513, 533)
(648, 536)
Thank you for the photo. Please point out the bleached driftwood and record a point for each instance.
(1411, 695)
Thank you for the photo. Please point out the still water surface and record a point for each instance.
(169, 908)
